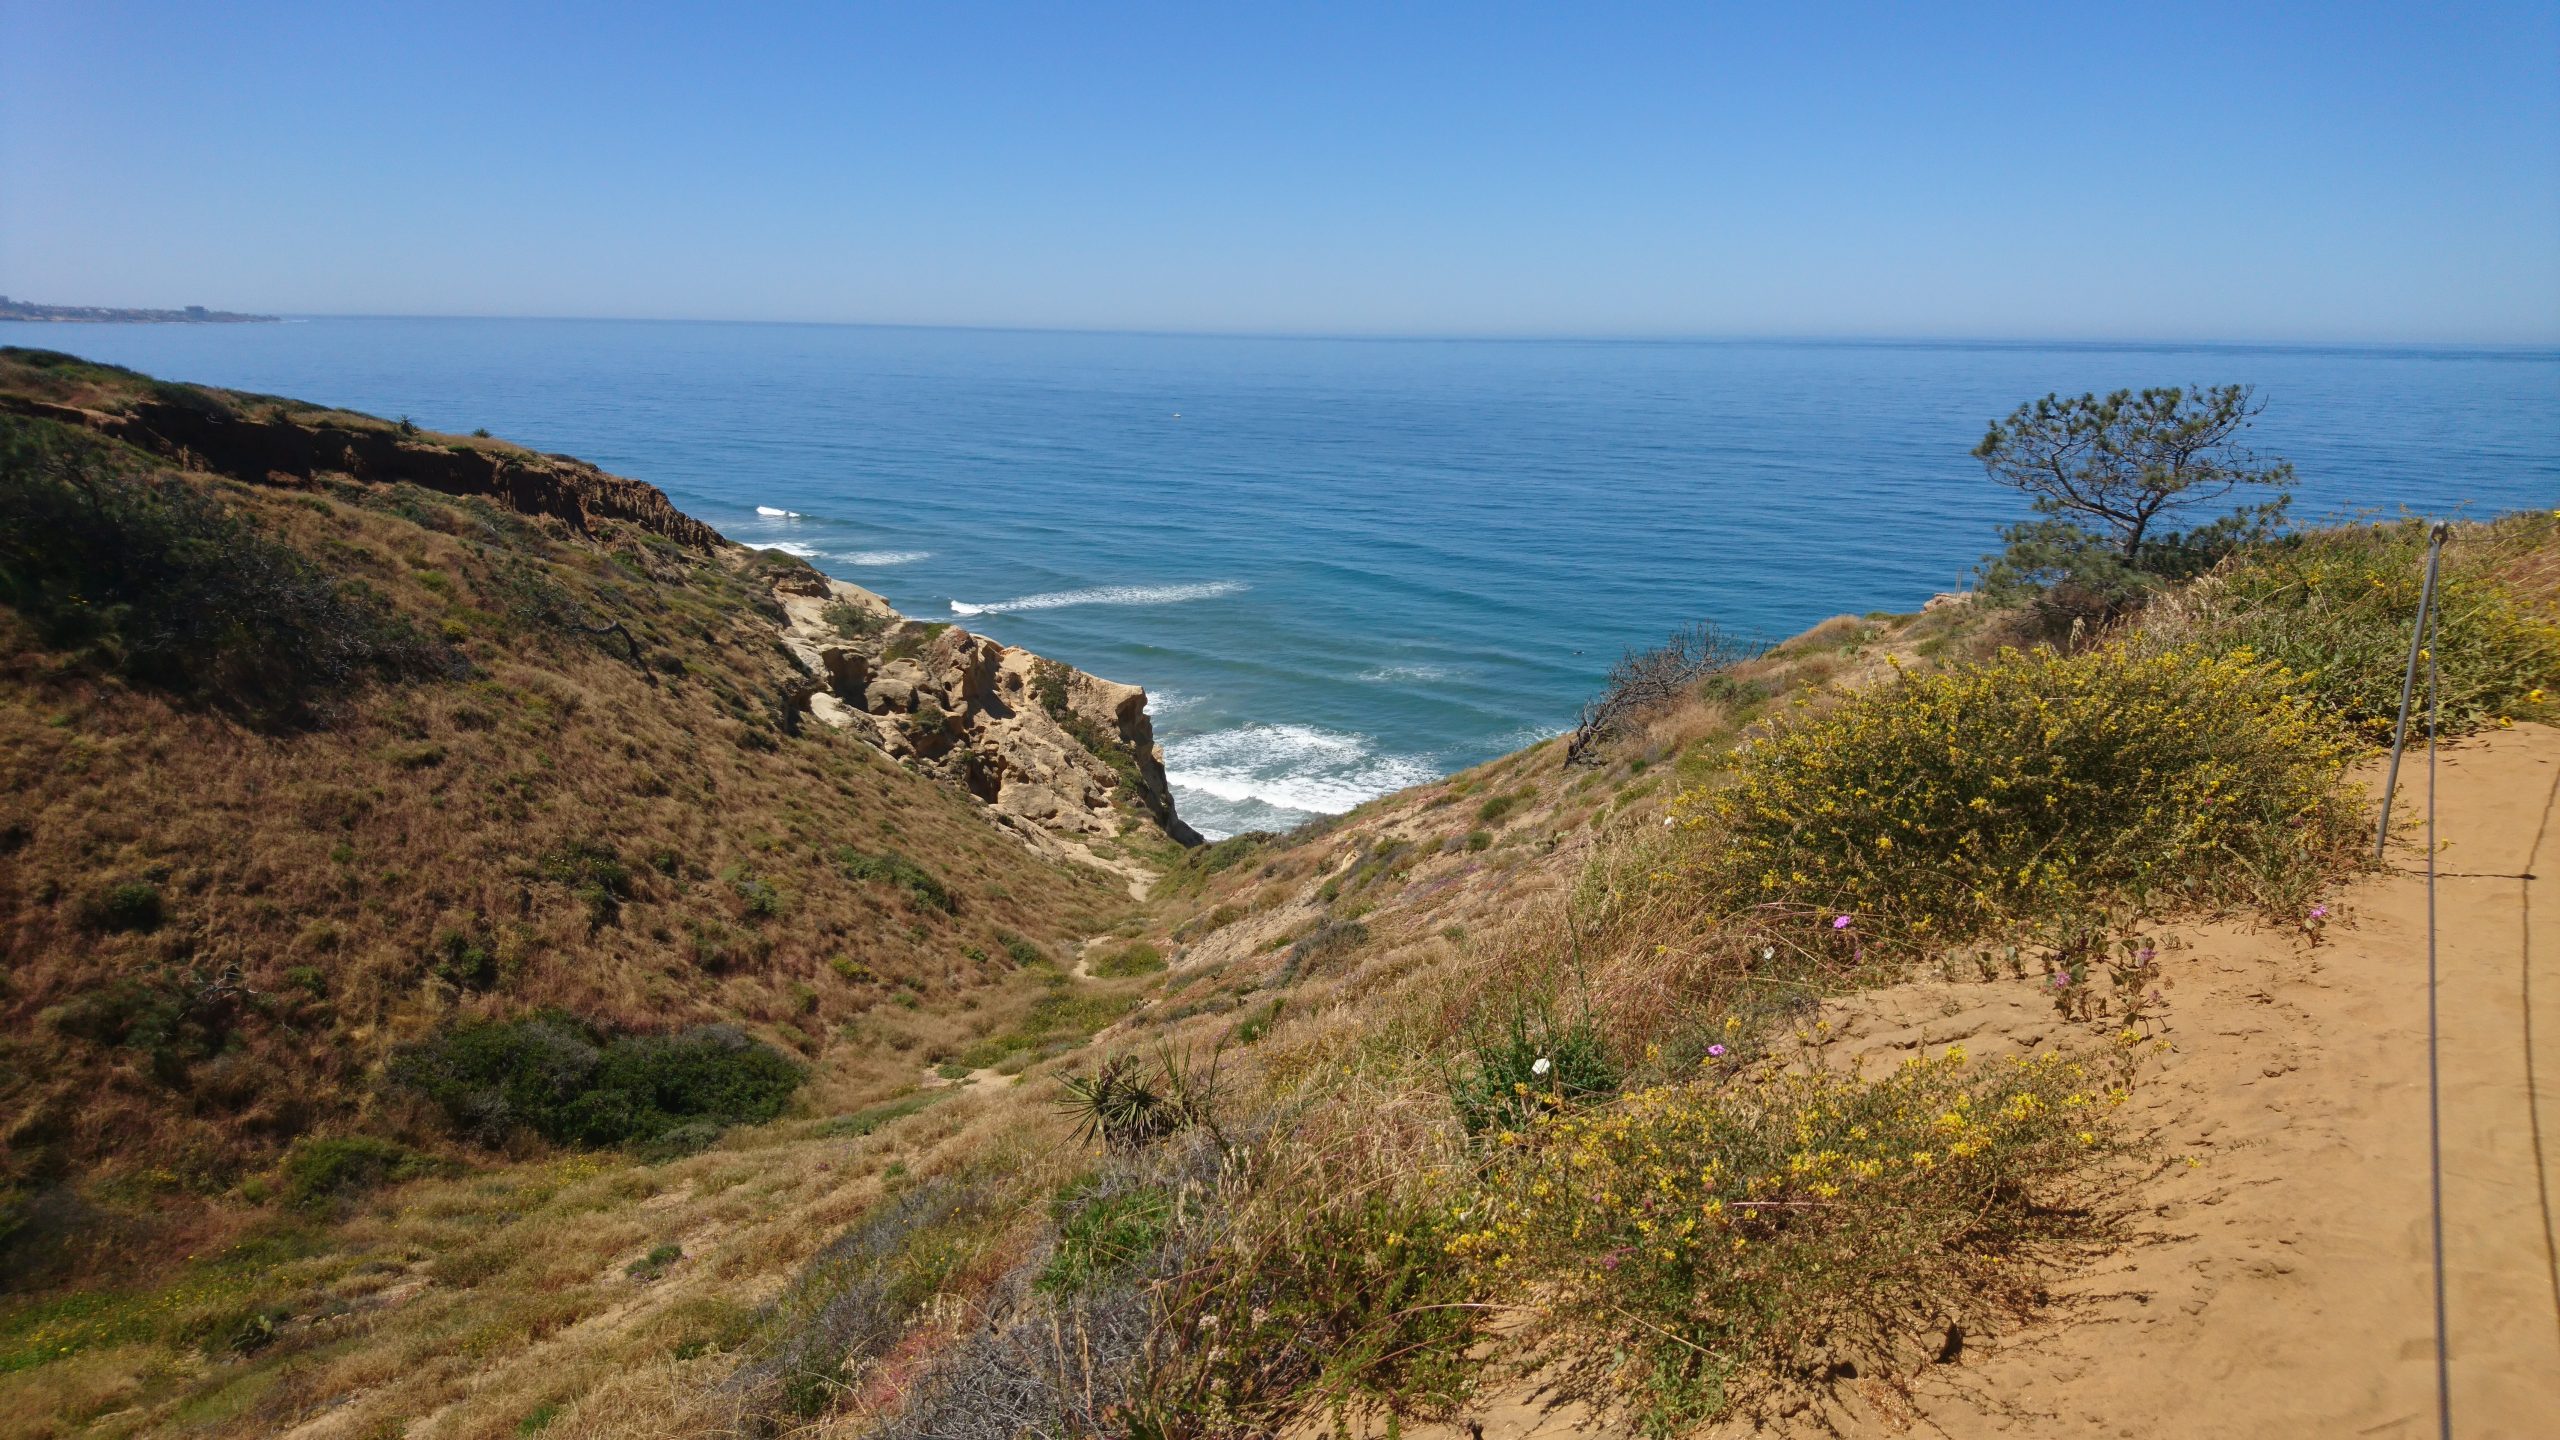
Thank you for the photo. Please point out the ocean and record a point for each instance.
(1341, 567)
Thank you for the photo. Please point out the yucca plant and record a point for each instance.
(1126, 1108)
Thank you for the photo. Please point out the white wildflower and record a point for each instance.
(1542, 1067)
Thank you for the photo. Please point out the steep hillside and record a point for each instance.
(322, 734)
(1772, 1059)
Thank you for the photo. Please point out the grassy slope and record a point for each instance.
(559, 827)
(1346, 970)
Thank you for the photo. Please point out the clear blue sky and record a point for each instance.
(2216, 171)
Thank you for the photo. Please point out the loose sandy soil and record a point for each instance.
(2282, 1285)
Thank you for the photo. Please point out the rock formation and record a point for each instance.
(1065, 759)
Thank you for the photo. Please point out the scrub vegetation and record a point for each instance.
(561, 1042)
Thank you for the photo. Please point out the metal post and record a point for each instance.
(2408, 684)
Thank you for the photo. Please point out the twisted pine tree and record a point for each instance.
(2108, 476)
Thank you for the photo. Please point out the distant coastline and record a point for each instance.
(102, 314)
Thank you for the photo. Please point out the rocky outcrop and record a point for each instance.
(1066, 759)
(225, 433)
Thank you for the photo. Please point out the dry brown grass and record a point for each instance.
(319, 884)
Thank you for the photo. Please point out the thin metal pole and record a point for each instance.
(2408, 684)
(2435, 1073)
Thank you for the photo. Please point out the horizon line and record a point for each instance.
(2551, 344)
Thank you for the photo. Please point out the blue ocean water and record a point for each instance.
(1345, 566)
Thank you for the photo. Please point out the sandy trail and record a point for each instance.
(2283, 1285)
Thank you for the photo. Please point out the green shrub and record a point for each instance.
(133, 906)
(2337, 607)
(1135, 958)
(898, 870)
(1532, 1065)
(1103, 1230)
(756, 896)
(1338, 1296)
(1495, 810)
(655, 1263)
(853, 621)
(1479, 840)
(464, 960)
(2032, 785)
(560, 1078)
(594, 873)
(317, 1171)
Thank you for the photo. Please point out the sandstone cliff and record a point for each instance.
(251, 438)
(1064, 759)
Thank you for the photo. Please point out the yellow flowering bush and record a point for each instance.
(1936, 806)
(1694, 1238)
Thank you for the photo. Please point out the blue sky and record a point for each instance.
(2225, 171)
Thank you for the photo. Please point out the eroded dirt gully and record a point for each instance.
(2282, 1285)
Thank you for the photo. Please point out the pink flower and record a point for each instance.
(1716, 1051)
(2319, 912)
(2061, 979)
(1840, 923)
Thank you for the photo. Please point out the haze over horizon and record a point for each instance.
(2284, 174)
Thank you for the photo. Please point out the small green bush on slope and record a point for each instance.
(2034, 785)
(554, 1076)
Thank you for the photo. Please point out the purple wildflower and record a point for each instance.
(1840, 923)
(2319, 912)
(1716, 1050)
(2061, 979)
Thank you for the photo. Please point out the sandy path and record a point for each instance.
(2282, 1286)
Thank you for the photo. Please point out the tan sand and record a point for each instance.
(2283, 1285)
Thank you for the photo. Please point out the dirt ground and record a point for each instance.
(2282, 1284)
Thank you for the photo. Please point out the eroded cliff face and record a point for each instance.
(1066, 760)
(229, 434)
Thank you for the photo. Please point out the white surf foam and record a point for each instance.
(884, 557)
(778, 514)
(1291, 767)
(1101, 595)
(1399, 674)
(794, 547)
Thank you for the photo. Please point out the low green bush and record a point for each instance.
(1135, 958)
(1533, 1064)
(132, 906)
(317, 1171)
(564, 1080)
(1102, 1229)
(896, 869)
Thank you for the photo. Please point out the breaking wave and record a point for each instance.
(1290, 767)
(769, 510)
(1101, 595)
(885, 557)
